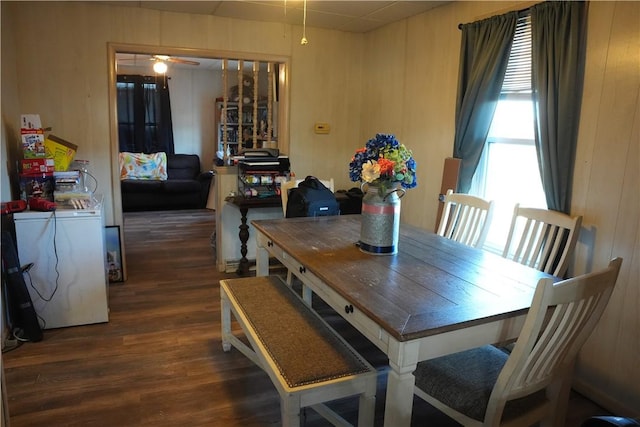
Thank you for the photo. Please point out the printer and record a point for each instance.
(261, 171)
(263, 159)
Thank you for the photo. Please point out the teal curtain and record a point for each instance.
(558, 56)
(484, 55)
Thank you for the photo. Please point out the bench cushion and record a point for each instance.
(303, 347)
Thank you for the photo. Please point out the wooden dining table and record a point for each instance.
(434, 297)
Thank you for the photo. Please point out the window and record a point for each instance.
(144, 118)
(508, 171)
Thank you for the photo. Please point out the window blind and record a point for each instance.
(517, 78)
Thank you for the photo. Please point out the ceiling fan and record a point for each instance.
(167, 58)
(159, 61)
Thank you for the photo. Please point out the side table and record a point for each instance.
(244, 204)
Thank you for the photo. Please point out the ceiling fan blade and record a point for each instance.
(182, 61)
(167, 58)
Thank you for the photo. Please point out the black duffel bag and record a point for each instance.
(311, 198)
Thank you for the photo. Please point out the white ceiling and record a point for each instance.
(357, 16)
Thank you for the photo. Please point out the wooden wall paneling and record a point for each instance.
(327, 83)
(96, 141)
(450, 174)
(429, 95)
(600, 21)
(605, 365)
(347, 104)
(383, 100)
(10, 129)
(172, 29)
(130, 24)
(613, 136)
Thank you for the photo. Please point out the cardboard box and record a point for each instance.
(61, 151)
(30, 122)
(31, 166)
(39, 185)
(33, 144)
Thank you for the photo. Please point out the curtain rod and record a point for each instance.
(521, 11)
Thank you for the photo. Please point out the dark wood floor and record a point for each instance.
(159, 361)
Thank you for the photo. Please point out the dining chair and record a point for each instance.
(465, 218)
(285, 186)
(542, 239)
(487, 387)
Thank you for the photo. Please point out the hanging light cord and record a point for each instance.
(304, 24)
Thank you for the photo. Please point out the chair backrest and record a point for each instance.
(285, 186)
(561, 318)
(465, 218)
(542, 239)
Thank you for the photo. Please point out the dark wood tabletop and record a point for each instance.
(254, 202)
(433, 285)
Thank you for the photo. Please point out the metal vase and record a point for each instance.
(380, 220)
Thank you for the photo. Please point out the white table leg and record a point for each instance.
(262, 261)
(403, 358)
(225, 314)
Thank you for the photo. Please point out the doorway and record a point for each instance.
(210, 62)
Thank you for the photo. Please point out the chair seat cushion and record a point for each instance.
(464, 381)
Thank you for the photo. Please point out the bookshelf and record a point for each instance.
(240, 125)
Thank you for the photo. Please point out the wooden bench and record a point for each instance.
(307, 361)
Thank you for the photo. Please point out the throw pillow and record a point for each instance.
(143, 166)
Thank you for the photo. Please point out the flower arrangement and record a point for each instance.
(384, 162)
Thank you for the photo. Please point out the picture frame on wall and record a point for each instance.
(114, 253)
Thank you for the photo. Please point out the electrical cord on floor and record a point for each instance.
(11, 344)
(15, 341)
(17, 334)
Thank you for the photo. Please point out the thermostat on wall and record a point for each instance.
(322, 128)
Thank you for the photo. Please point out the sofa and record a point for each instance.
(160, 181)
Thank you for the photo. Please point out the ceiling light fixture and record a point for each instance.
(160, 67)
(304, 40)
